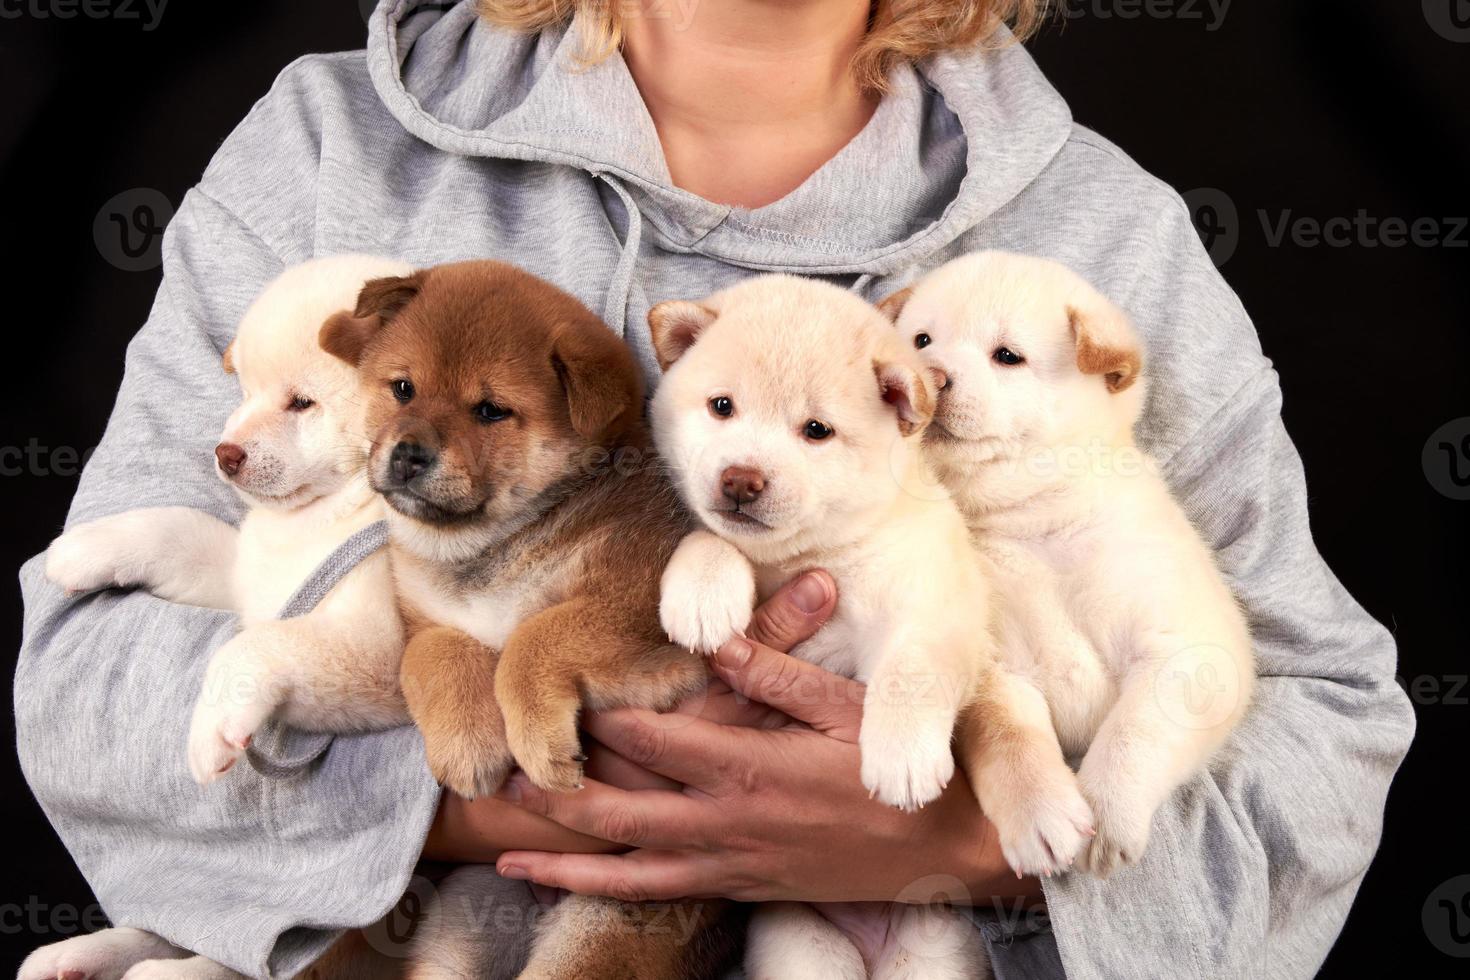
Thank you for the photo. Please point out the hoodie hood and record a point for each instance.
(958, 137)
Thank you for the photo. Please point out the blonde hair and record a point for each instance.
(899, 30)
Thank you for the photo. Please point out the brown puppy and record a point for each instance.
(529, 528)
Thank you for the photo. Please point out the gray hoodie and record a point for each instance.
(446, 140)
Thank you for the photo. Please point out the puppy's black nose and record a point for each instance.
(230, 456)
(742, 484)
(409, 459)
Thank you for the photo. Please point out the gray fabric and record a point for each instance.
(448, 140)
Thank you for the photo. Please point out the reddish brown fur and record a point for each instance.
(478, 331)
(1118, 366)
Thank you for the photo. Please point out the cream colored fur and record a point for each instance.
(911, 619)
(1112, 617)
(334, 669)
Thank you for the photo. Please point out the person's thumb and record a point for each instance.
(795, 612)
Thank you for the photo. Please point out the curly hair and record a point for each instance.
(898, 30)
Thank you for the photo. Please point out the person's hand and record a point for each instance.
(769, 812)
(478, 831)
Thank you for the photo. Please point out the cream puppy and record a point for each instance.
(1111, 613)
(791, 417)
(294, 451)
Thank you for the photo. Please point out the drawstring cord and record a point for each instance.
(615, 311)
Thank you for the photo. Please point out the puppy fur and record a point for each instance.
(529, 526)
(1114, 623)
(791, 415)
(293, 456)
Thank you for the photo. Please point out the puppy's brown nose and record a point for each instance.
(230, 456)
(742, 484)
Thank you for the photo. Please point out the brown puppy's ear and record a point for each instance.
(675, 326)
(909, 391)
(1106, 343)
(346, 335)
(604, 391)
(893, 305)
(227, 359)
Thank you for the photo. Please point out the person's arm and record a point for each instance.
(253, 872)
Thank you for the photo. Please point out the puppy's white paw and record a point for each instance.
(91, 556)
(239, 696)
(103, 955)
(702, 612)
(1122, 837)
(215, 743)
(1043, 823)
(192, 968)
(906, 761)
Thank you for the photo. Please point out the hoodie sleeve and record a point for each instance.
(257, 873)
(1252, 866)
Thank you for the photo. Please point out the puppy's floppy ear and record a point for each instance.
(603, 388)
(893, 305)
(909, 390)
(1106, 343)
(346, 335)
(227, 359)
(675, 326)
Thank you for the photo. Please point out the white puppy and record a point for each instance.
(791, 417)
(1110, 609)
(294, 450)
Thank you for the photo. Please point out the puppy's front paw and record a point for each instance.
(216, 742)
(701, 609)
(548, 751)
(1043, 821)
(103, 955)
(1122, 836)
(470, 763)
(905, 762)
(89, 557)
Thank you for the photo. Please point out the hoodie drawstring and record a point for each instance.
(615, 310)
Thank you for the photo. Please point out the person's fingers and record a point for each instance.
(825, 701)
(639, 876)
(718, 703)
(645, 818)
(682, 747)
(606, 766)
(795, 612)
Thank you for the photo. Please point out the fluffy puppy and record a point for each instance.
(1112, 612)
(291, 451)
(528, 532)
(792, 415)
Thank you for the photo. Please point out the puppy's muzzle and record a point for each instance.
(742, 484)
(408, 461)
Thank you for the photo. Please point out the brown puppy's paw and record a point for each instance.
(470, 763)
(549, 754)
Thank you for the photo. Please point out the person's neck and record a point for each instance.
(750, 97)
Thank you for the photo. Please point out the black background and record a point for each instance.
(1290, 109)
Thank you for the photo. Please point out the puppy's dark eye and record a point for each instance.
(299, 403)
(1008, 357)
(816, 430)
(403, 390)
(488, 411)
(721, 407)
(922, 340)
